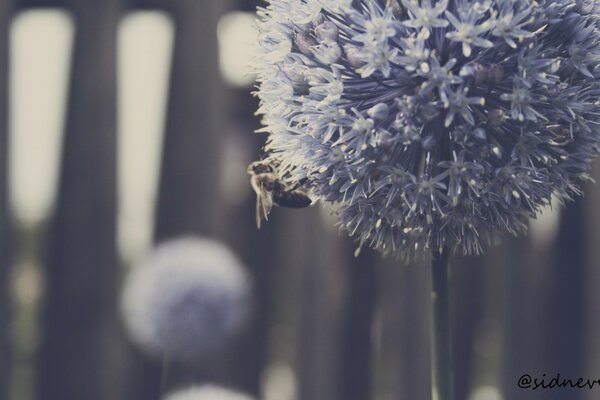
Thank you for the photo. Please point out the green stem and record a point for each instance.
(442, 339)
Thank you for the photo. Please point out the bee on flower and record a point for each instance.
(428, 123)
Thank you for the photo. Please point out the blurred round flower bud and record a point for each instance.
(207, 392)
(432, 123)
(188, 300)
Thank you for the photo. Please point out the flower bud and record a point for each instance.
(207, 392)
(327, 31)
(305, 43)
(379, 111)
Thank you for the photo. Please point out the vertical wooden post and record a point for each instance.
(591, 332)
(323, 285)
(530, 270)
(565, 308)
(189, 198)
(354, 378)
(78, 353)
(491, 346)
(255, 247)
(469, 273)
(5, 220)
(189, 183)
(403, 362)
(239, 227)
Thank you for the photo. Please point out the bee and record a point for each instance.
(270, 190)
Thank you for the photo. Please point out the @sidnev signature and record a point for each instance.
(526, 381)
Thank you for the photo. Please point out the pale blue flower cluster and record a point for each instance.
(431, 123)
(207, 392)
(188, 300)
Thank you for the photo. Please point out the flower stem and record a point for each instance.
(442, 339)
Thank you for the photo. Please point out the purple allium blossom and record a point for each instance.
(207, 392)
(431, 123)
(187, 300)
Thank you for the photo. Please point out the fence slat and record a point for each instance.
(255, 247)
(564, 302)
(323, 285)
(530, 272)
(490, 343)
(354, 378)
(5, 222)
(79, 352)
(403, 360)
(592, 282)
(468, 275)
(188, 199)
(188, 194)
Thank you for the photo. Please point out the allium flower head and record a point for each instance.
(207, 392)
(187, 300)
(431, 123)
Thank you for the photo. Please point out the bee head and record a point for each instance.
(260, 167)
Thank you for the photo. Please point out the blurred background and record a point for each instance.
(127, 122)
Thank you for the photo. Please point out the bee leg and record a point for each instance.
(298, 184)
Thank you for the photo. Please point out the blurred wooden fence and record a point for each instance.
(5, 222)
(350, 328)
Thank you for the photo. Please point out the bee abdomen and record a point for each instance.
(291, 199)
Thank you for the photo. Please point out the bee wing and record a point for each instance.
(264, 203)
(264, 200)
